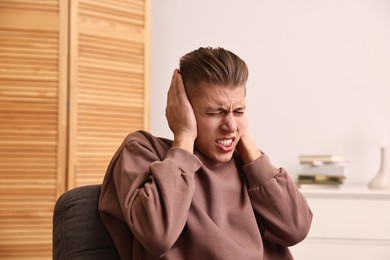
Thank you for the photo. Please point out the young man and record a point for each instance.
(210, 193)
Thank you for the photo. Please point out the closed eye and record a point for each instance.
(223, 112)
(216, 113)
(239, 111)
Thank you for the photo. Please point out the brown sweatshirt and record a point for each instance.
(159, 202)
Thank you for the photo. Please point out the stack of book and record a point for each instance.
(322, 171)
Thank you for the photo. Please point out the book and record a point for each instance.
(329, 169)
(320, 179)
(318, 159)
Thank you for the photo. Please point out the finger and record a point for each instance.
(173, 83)
(179, 81)
(175, 76)
(180, 89)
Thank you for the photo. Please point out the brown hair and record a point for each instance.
(213, 65)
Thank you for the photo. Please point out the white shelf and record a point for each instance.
(347, 191)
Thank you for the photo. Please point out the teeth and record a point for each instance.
(225, 142)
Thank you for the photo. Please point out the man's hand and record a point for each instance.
(247, 147)
(180, 115)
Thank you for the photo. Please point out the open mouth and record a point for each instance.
(225, 142)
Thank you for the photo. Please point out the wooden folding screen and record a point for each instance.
(73, 82)
(108, 71)
(30, 137)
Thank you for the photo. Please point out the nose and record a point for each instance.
(229, 123)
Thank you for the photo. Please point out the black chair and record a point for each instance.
(78, 232)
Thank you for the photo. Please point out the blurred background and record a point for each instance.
(319, 72)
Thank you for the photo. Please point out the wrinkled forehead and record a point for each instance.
(209, 95)
(207, 90)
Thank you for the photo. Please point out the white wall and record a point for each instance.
(319, 71)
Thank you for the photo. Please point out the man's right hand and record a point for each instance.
(180, 115)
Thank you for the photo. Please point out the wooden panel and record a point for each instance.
(29, 133)
(108, 86)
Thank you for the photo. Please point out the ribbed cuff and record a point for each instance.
(259, 171)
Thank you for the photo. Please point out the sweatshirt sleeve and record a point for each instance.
(283, 214)
(155, 195)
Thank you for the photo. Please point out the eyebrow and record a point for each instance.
(220, 108)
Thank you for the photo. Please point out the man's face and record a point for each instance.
(221, 119)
